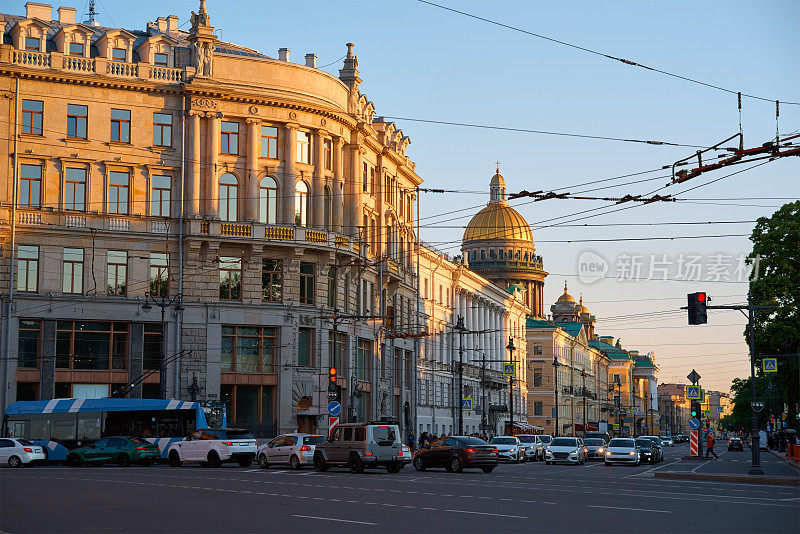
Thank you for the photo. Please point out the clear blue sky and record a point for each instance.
(421, 62)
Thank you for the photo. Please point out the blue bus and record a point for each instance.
(60, 425)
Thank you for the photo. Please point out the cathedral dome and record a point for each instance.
(498, 221)
(566, 297)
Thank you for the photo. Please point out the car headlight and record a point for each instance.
(600, 450)
(608, 453)
(632, 453)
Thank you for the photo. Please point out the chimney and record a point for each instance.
(172, 24)
(66, 15)
(39, 11)
(607, 339)
(283, 54)
(311, 60)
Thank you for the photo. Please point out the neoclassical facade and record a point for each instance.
(259, 202)
(498, 245)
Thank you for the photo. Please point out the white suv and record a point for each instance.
(212, 446)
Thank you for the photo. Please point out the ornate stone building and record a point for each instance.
(566, 309)
(260, 201)
(498, 245)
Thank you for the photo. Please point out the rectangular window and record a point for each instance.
(72, 273)
(76, 49)
(409, 369)
(271, 280)
(160, 196)
(331, 287)
(32, 43)
(397, 369)
(306, 283)
(305, 347)
(249, 349)
(537, 347)
(230, 278)
(162, 129)
(537, 379)
(96, 346)
(364, 168)
(29, 344)
(229, 142)
(160, 60)
(117, 272)
(121, 125)
(75, 189)
(303, 147)
(118, 54)
(328, 154)
(151, 347)
(269, 142)
(372, 180)
(338, 354)
(118, 192)
(364, 358)
(27, 269)
(32, 114)
(30, 185)
(159, 274)
(77, 118)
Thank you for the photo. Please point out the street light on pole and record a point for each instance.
(555, 389)
(511, 348)
(461, 329)
(163, 302)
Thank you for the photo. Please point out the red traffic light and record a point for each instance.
(332, 374)
(701, 297)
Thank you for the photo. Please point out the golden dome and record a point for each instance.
(566, 297)
(581, 307)
(498, 221)
(498, 179)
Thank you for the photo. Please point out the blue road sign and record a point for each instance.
(466, 404)
(508, 369)
(635, 410)
(334, 408)
(693, 392)
(616, 426)
(694, 424)
(770, 365)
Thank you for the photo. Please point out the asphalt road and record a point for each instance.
(530, 497)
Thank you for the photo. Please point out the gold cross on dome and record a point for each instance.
(498, 166)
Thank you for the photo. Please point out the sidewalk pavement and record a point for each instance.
(733, 466)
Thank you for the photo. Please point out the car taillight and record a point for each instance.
(140, 448)
(367, 454)
(228, 443)
(305, 448)
(469, 450)
(494, 451)
(28, 449)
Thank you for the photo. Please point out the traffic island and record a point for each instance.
(744, 479)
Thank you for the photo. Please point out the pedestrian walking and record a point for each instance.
(710, 445)
(411, 440)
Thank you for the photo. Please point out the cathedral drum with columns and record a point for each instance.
(498, 245)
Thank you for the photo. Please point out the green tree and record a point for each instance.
(776, 282)
(740, 416)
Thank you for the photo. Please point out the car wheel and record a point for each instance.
(175, 459)
(245, 462)
(213, 459)
(14, 461)
(124, 460)
(455, 465)
(418, 465)
(487, 469)
(394, 467)
(320, 465)
(294, 463)
(74, 460)
(264, 464)
(356, 465)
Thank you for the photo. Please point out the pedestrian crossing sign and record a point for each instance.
(693, 392)
(616, 426)
(720, 409)
(508, 369)
(770, 365)
(466, 404)
(635, 410)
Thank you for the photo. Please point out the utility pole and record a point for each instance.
(511, 348)
(162, 303)
(583, 394)
(461, 329)
(555, 389)
(483, 394)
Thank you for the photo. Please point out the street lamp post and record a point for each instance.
(583, 394)
(461, 329)
(163, 302)
(555, 389)
(511, 348)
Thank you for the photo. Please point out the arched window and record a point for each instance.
(389, 240)
(301, 204)
(526, 256)
(267, 200)
(328, 209)
(491, 254)
(228, 197)
(483, 254)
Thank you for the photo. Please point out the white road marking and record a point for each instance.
(335, 519)
(486, 513)
(653, 469)
(632, 509)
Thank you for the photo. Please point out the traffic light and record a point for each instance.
(695, 409)
(332, 384)
(697, 307)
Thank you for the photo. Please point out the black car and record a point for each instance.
(647, 450)
(455, 453)
(735, 444)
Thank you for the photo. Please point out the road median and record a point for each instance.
(725, 477)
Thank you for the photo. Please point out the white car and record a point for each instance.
(509, 449)
(667, 441)
(622, 451)
(569, 450)
(213, 446)
(16, 452)
(294, 450)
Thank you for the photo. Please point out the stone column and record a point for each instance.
(193, 190)
(251, 180)
(212, 171)
(338, 172)
(318, 181)
(355, 209)
(289, 173)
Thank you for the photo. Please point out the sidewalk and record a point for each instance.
(732, 466)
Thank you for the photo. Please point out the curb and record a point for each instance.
(792, 463)
(744, 479)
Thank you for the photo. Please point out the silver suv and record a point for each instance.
(362, 445)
